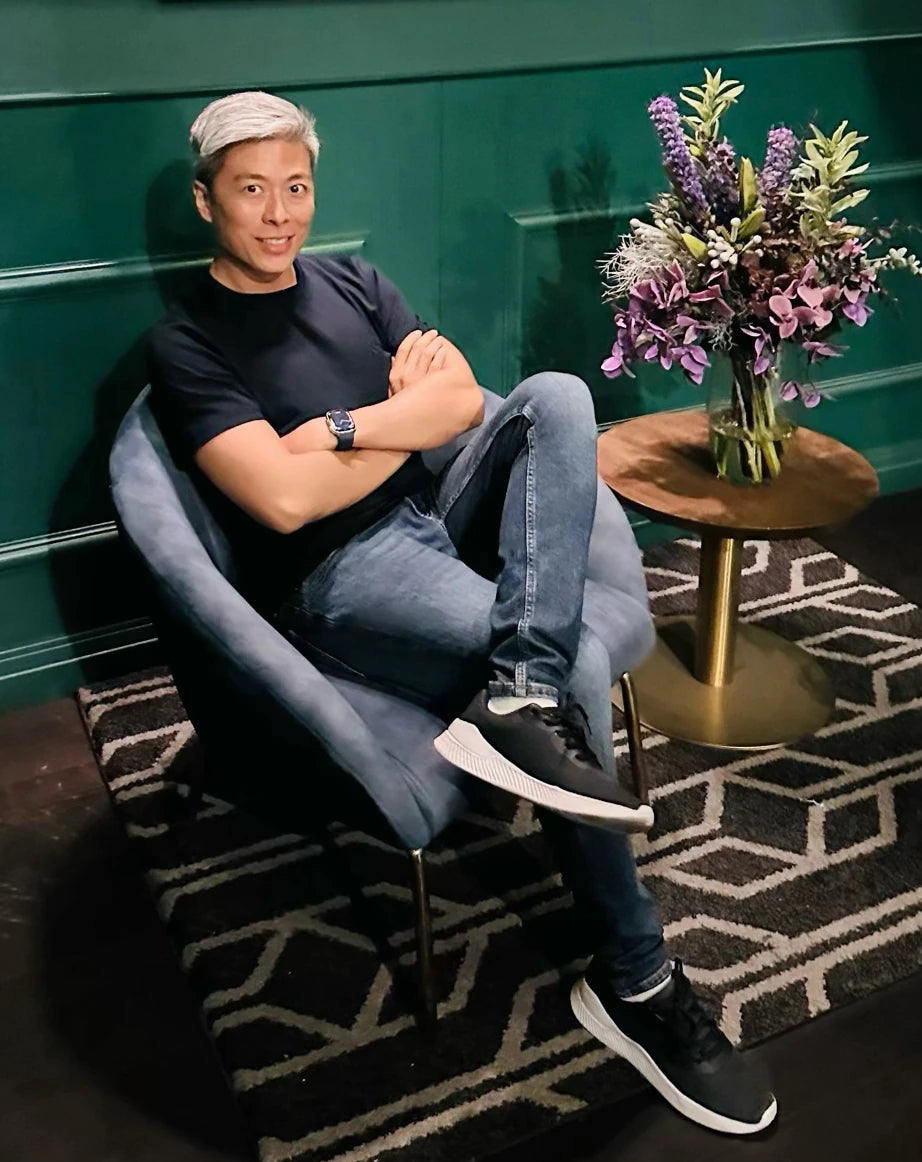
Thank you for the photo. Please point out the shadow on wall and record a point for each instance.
(567, 326)
(100, 585)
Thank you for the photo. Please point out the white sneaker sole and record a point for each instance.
(464, 745)
(591, 1014)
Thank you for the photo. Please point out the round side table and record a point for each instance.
(711, 680)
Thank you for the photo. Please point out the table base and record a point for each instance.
(778, 692)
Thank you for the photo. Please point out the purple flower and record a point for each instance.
(664, 113)
(719, 179)
(691, 328)
(783, 315)
(849, 247)
(816, 350)
(663, 291)
(763, 357)
(815, 298)
(693, 360)
(775, 175)
(791, 389)
(713, 296)
(857, 309)
(858, 286)
(663, 323)
(802, 303)
(615, 365)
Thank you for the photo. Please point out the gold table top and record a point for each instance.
(661, 465)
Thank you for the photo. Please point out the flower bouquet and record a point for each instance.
(744, 260)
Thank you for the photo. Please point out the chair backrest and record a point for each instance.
(242, 681)
(140, 452)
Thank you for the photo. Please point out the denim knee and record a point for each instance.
(559, 397)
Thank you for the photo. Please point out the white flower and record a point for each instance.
(641, 254)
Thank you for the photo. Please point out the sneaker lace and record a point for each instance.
(695, 1031)
(569, 722)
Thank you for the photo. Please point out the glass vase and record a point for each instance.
(748, 428)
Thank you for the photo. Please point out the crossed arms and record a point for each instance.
(287, 481)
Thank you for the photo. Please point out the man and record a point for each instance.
(304, 391)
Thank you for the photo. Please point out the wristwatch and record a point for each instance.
(342, 425)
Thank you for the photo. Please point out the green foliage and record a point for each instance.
(749, 190)
(709, 101)
(751, 223)
(819, 183)
(697, 248)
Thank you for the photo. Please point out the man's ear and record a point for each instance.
(202, 200)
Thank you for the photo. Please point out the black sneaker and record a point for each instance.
(679, 1050)
(542, 754)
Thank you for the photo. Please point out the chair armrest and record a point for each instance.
(614, 555)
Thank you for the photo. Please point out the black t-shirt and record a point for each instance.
(220, 358)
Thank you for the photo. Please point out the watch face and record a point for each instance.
(341, 421)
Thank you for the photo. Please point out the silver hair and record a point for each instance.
(253, 116)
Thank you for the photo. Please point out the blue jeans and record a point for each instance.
(481, 581)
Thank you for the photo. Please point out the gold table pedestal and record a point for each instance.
(712, 681)
(709, 679)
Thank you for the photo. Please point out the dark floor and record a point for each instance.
(102, 1057)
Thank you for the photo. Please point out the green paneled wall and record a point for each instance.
(483, 152)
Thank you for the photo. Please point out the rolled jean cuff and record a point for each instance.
(649, 982)
(501, 689)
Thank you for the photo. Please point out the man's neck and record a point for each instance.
(244, 281)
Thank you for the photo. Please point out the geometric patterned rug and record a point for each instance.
(790, 882)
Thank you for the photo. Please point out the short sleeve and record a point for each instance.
(396, 319)
(194, 394)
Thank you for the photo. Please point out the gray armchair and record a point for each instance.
(269, 723)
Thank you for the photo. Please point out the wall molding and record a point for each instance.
(528, 220)
(883, 173)
(898, 466)
(870, 380)
(18, 552)
(886, 173)
(17, 281)
(49, 654)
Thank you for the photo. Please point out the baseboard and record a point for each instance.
(899, 466)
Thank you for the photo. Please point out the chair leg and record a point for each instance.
(634, 739)
(424, 958)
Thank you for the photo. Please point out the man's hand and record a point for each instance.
(417, 356)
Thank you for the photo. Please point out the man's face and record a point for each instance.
(261, 204)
